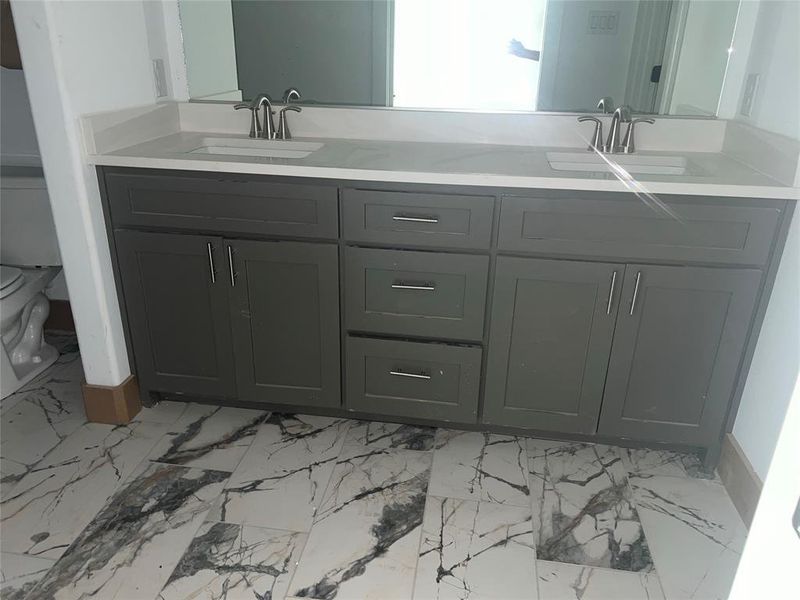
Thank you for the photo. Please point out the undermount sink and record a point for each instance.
(632, 163)
(256, 147)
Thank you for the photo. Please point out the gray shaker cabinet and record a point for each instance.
(552, 324)
(285, 318)
(177, 310)
(676, 352)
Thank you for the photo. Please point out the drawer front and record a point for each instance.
(412, 379)
(441, 220)
(712, 232)
(222, 205)
(416, 293)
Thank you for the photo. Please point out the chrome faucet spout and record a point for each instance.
(621, 115)
(268, 128)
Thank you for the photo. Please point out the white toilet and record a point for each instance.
(29, 260)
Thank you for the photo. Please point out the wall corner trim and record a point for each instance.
(739, 478)
(114, 405)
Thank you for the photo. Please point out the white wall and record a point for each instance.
(578, 68)
(82, 57)
(707, 36)
(208, 46)
(775, 54)
(774, 368)
(768, 567)
(17, 136)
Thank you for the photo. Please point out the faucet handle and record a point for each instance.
(283, 124)
(597, 136)
(291, 94)
(628, 145)
(255, 125)
(606, 105)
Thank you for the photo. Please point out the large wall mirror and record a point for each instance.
(659, 56)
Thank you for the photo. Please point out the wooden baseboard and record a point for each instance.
(740, 480)
(115, 405)
(60, 317)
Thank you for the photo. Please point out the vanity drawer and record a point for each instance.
(441, 220)
(688, 229)
(415, 293)
(413, 379)
(222, 204)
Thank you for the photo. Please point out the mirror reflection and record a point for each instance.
(658, 56)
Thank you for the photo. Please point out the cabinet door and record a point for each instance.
(551, 331)
(285, 303)
(178, 312)
(679, 339)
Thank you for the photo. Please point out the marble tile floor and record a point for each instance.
(198, 501)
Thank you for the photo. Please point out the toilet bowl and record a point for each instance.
(23, 310)
(27, 241)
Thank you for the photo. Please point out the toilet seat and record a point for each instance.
(11, 279)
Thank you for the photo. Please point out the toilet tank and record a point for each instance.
(27, 233)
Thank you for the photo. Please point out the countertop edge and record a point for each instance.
(465, 179)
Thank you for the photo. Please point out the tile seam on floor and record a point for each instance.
(300, 555)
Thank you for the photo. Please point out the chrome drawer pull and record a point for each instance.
(635, 291)
(211, 262)
(425, 287)
(415, 219)
(412, 375)
(611, 293)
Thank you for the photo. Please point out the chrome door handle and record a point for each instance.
(611, 293)
(635, 291)
(412, 375)
(409, 286)
(210, 249)
(230, 267)
(415, 219)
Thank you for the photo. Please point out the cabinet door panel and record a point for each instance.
(674, 360)
(178, 316)
(285, 305)
(551, 331)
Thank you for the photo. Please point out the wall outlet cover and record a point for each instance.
(603, 22)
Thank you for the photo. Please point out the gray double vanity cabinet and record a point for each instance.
(585, 315)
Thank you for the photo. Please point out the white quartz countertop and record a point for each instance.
(708, 173)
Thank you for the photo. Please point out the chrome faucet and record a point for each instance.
(621, 115)
(257, 130)
(255, 123)
(268, 127)
(283, 124)
(291, 94)
(628, 144)
(613, 145)
(605, 105)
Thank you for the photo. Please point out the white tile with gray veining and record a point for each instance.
(644, 462)
(133, 544)
(44, 413)
(46, 511)
(365, 537)
(209, 437)
(235, 562)
(480, 466)
(280, 481)
(564, 581)
(466, 544)
(694, 532)
(20, 573)
(583, 510)
(375, 434)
